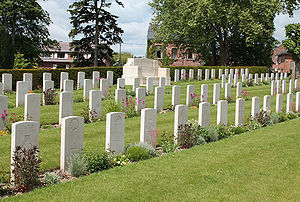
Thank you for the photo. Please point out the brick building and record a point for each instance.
(58, 57)
(283, 61)
(182, 58)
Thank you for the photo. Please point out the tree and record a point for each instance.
(27, 24)
(6, 49)
(292, 43)
(22, 63)
(124, 57)
(217, 28)
(99, 29)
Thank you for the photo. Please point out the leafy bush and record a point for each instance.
(238, 130)
(166, 142)
(4, 181)
(77, 166)
(50, 96)
(249, 82)
(112, 106)
(224, 131)
(253, 124)
(144, 145)
(96, 161)
(263, 118)
(25, 170)
(291, 116)
(190, 135)
(89, 116)
(51, 178)
(9, 119)
(131, 93)
(137, 153)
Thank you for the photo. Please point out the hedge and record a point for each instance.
(37, 74)
(118, 71)
(252, 69)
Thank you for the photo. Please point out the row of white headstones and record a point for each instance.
(25, 133)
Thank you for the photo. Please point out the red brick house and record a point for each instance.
(181, 58)
(282, 60)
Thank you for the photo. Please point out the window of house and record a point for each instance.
(189, 54)
(60, 55)
(158, 52)
(174, 52)
(47, 55)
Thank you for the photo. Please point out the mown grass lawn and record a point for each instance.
(94, 133)
(261, 165)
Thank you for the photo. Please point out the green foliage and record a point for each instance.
(144, 145)
(124, 57)
(27, 23)
(112, 106)
(6, 49)
(37, 74)
(96, 160)
(98, 28)
(51, 178)
(263, 117)
(291, 116)
(137, 153)
(292, 32)
(220, 32)
(22, 63)
(120, 160)
(253, 124)
(77, 166)
(26, 166)
(50, 96)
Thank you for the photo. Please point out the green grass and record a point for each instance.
(94, 133)
(261, 165)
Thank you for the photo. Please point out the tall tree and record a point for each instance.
(99, 29)
(27, 24)
(6, 49)
(215, 28)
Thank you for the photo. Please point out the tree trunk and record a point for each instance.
(96, 34)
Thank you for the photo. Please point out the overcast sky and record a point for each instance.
(134, 19)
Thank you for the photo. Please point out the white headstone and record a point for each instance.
(104, 87)
(246, 72)
(158, 99)
(176, 75)
(183, 74)
(283, 86)
(255, 107)
(115, 132)
(267, 76)
(223, 81)
(72, 130)
(220, 73)
(226, 72)
(68, 85)
(291, 88)
(1, 89)
(281, 76)
(65, 105)
(204, 93)
(80, 80)
(191, 74)
(262, 77)
(136, 83)
(96, 79)
(231, 71)
(222, 112)
(297, 106)
(140, 99)
(285, 75)
(7, 82)
(272, 76)
(242, 71)
(278, 87)
(149, 85)
(175, 95)
(95, 104)
(199, 75)
(181, 118)
(279, 102)
(162, 83)
(32, 107)
(190, 95)
(27, 77)
(230, 78)
(87, 87)
(22, 89)
(216, 95)
(63, 76)
(148, 126)
(206, 74)
(243, 78)
(267, 104)
(213, 74)
(276, 76)
(110, 78)
(239, 89)
(296, 84)
(239, 112)
(120, 83)
(273, 88)
(204, 114)
(227, 90)
(120, 96)
(47, 76)
(3, 110)
(256, 79)
(235, 80)
(289, 103)
(236, 71)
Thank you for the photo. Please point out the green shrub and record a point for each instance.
(148, 147)
(291, 116)
(26, 166)
(238, 130)
(112, 106)
(77, 166)
(37, 74)
(263, 117)
(190, 135)
(166, 142)
(224, 131)
(96, 161)
(50, 96)
(51, 178)
(120, 160)
(253, 124)
(282, 117)
(137, 153)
